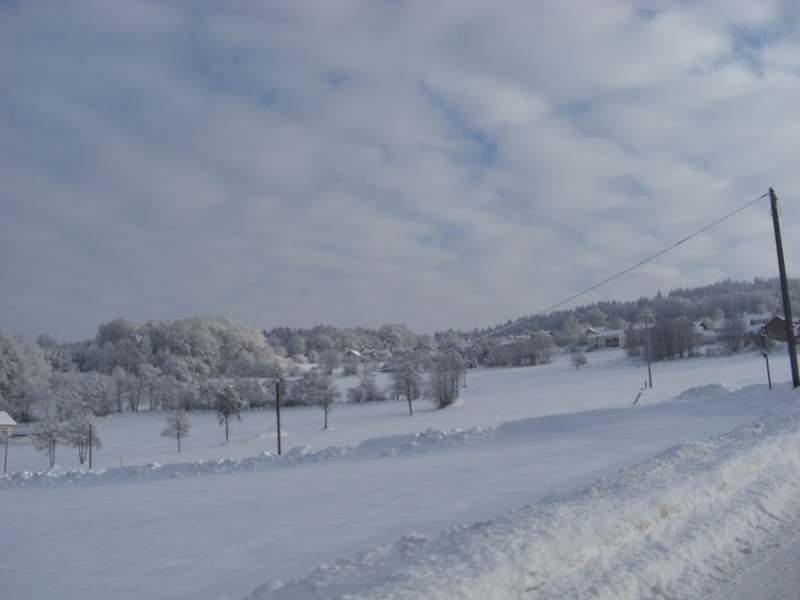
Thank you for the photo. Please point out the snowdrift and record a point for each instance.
(680, 524)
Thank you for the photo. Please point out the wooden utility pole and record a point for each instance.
(278, 411)
(647, 318)
(90, 445)
(787, 303)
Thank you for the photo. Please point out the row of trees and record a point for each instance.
(28, 381)
(314, 387)
(81, 432)
(729, 298)
(669, 338)
(169, 364)
(676, 338)
(530, 350)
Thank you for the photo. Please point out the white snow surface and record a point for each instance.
(541, 482)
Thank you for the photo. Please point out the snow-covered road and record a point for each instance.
(774, 576)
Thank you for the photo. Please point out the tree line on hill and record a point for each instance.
(730, 298)
(186, 363)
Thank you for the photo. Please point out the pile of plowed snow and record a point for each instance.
(426, 441)
(704, 391)
(673, 526)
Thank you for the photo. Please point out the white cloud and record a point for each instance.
(446, 165)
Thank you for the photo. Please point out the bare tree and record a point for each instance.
(326, 398)
(227, 405)
(82, 433)
(176, 425)
(147, 377)
(46, 435)
(543, 346)
(733, 334)
(634, 342)
(407, 381)
(443, 381)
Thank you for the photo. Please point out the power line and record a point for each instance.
(610, 279)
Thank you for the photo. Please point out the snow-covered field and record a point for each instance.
(542, 482)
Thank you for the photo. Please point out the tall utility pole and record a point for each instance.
(787, 303)
(647, 318)
(649, 360)
(278, 411)
(91, 426)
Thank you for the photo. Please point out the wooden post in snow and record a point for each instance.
(787, 303)
(278, 411)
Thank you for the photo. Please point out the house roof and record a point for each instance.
(607, 333)
(5, 418)
(754, 318)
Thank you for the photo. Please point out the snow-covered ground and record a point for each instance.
(541, 482)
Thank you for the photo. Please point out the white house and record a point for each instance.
(6, 424)
(606, 338)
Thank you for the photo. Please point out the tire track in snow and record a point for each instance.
(775, 576)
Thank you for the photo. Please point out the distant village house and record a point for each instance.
(6, 424)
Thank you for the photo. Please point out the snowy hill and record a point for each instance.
(542, 482)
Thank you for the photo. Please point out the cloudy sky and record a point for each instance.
(442, 164)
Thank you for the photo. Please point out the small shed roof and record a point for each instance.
(5, 418)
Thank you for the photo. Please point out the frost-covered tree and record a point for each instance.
(228, 405)
(444, 379)
(314, 388)
(176, 425)
(367, 390)
(116, 331)
(148, 375)
(329, 360)
(251, 392)
(82, 433)
(56, 354)
(407, 381)
(24, 375)
(595, 317)
(301, 391)
(578, 359)
(397, 338)
(326, 397)
(98, 392)
(543, 346)
(296, 346)
(570, 329)
(350, 365)
(123, 387)
(66, 398)
(46, 435)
